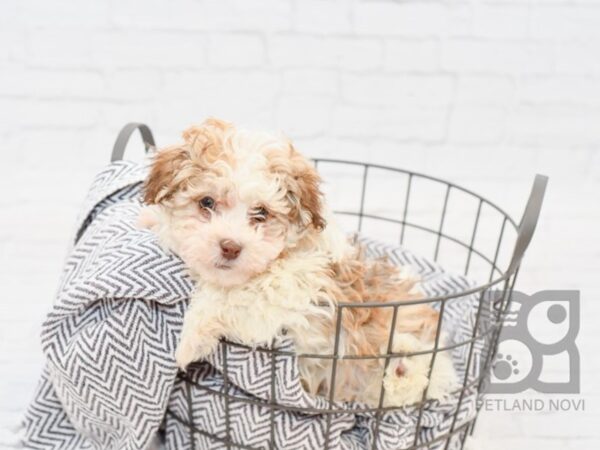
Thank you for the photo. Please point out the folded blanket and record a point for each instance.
(109, 340)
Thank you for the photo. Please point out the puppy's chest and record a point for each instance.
(256, 316)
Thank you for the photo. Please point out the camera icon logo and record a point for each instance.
(536, 343)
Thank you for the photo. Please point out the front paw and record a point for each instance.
(407, 378)
(189, 351)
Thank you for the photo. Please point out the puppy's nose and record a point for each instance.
(230, 249)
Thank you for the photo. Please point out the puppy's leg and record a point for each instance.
(200, 335)
(194, 346)
(406, 378)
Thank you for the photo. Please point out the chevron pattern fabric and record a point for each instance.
(110, 379)
(202, 399)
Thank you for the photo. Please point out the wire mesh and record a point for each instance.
(484, 255)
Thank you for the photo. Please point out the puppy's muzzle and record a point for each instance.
(230, 250)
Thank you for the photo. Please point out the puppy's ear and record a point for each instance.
(309, 196)
(173, 166)
(165, 175)
(304, 194)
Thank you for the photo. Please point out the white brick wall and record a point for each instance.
(484, 93)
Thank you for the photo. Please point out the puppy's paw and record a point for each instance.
(404, 383)
(183, 357)
(407, 378)
(189, 351)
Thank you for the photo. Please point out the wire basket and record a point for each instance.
(451, 225)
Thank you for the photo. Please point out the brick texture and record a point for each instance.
(484, 93)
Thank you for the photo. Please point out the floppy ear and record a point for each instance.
(303, 191)
(163, 180)
(173, 166)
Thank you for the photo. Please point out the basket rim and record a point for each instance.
(420, 175)
(504, 275)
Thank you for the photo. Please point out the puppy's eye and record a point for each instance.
(260, 215)
(207, 202)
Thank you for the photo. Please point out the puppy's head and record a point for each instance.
(233, 201)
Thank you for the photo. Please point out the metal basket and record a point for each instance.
(489, 252)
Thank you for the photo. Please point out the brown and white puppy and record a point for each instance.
(244, 212)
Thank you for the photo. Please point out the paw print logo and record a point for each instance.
(545, 325)
(505, 367)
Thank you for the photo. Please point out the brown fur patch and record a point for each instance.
(177, 165)
(362, 281)
(160, 183)
(367, 329)
(302, 181)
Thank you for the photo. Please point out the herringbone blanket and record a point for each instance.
(110, 379)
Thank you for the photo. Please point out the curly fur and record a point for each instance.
(294, 264)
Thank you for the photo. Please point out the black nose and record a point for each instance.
(230, 249)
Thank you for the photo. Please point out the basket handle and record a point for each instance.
(123, 139)
(529, 220)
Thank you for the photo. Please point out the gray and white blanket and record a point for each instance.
(110, 380)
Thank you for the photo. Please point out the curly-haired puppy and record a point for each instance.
(244, 212)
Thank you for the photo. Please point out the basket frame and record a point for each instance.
(501, 280)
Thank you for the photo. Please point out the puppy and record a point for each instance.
(244, 212)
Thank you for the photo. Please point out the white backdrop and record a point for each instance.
(484, 93)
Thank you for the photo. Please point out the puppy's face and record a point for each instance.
(231, 202)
